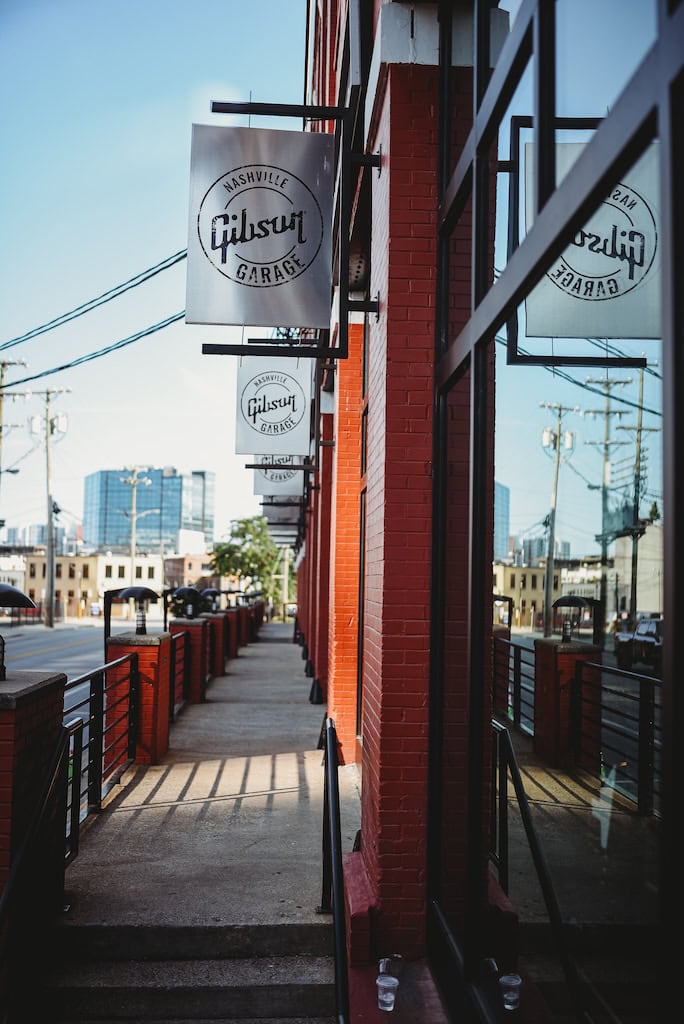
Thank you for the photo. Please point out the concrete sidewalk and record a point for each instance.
(227, 829)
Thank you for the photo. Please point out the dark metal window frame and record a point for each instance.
(650, 105)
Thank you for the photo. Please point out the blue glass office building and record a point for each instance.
(502, 522)
(163, 502)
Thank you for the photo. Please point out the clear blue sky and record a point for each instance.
(98, 102)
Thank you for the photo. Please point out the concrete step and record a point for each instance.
(229, 989)
(77, 942)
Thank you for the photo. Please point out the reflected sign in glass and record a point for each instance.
(606, 284)
(259, 235)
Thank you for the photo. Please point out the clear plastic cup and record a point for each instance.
(509, 984)
(387, 991)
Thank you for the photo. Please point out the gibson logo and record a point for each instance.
(273, 403)
(613, 254)
(260, 226)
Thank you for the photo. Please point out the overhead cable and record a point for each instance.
(100, 300)
(144, 333)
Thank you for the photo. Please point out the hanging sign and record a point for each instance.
(273, 406)
(280, 479)
(259, 237)
(606, 284)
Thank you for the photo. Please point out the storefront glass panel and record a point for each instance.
(578, 452)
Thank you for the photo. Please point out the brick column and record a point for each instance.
(554, 672)
(345, 533)
(154, 699)
(198, 635)
(31, 715)
(233, 631)
(217, 626)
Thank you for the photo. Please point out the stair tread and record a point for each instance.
(280, 970)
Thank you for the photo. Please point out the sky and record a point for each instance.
(98, 105)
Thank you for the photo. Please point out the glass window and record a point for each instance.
(121, 571)
(108, 571)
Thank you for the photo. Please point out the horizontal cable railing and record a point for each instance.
(107, 702)
(513, 682)
(180, 672)
(616, 726)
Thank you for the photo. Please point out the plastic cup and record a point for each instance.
(509, 985)
(387, 991)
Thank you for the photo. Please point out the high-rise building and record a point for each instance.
(161, 501)
(502, 521)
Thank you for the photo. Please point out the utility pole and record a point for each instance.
(606, 535)
(135, 481)
(52, 425)
(554, 439)
(637, 529)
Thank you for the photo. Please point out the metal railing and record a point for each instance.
(107, 702)
(615, 719)
(505, 767)
(513, 682)
(332, 896)
(616, 731)
(179, 680)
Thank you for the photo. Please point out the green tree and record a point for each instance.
(250, 554)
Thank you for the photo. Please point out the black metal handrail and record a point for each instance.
(332, 896)
(505, 764)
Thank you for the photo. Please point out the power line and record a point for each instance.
(100, 300)
(556, 372)
(105, 351)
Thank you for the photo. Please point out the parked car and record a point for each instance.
(642, 645)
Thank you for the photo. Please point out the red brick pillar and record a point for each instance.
(31, 715)
(345, 533)
(198, 635)
(154, 700)
(217, 626)
(396, 634)
(233, 631)
(554, 673)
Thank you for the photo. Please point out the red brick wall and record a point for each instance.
(343, 621)
(28, 736)
(396, 637)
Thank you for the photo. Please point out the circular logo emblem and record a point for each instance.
(282, 474)
(273, 403)
(613, 254)
(260, 225)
